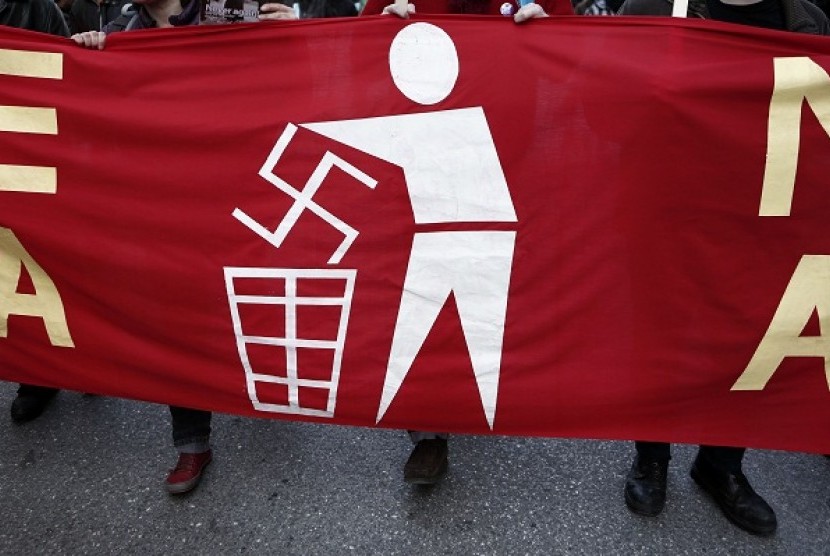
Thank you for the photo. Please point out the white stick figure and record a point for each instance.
(453, 174)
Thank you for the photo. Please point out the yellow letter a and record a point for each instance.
(808, 291)
(44, 303)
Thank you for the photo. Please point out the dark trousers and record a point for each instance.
(190, 426)
(37, 391)
(726, 458)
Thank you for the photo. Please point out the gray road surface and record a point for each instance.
(86, 478)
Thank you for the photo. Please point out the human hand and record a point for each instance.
(399, 10)
(91, 39)
(271, 12)
(529, 11)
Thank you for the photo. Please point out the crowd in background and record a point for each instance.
(93, 15)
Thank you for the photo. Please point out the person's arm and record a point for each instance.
(374, 7)
(65, 7)
(55, 23)
(818, 16)
(528, 11)
(645, 7)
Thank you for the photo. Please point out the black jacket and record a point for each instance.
(800, 16)
(88, 15)
(43, 16)
(135, 17)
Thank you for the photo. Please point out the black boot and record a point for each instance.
(736, 498)
(427, 463)
(30, 402)
(645, 487)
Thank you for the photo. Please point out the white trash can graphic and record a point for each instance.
(290, 327)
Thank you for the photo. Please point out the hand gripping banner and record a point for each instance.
(578, 227)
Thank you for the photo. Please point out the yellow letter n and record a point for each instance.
(807, 292)
(45, 303)
(796, 80)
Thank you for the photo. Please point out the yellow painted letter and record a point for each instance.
(44, 303)
(29, 119)
(796, 80)
(808, 291)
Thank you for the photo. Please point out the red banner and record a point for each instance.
(587, 227)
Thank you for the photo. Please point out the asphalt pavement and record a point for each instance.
(87, 478)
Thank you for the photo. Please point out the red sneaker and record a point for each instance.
(188, 472)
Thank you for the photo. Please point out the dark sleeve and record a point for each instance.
(818, 16)
(327, 8)
(645, 7)
(374, 7)
(67, 17)
(55, 23)
(77, 21)
(821, 4)
(116, 25)
(345, 8)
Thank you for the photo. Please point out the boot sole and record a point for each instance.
(431, 480)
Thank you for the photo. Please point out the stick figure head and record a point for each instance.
(424, 63)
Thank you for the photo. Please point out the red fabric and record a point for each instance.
(643, 278)
(491, 7)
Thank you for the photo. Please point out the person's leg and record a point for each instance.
(645, 486)
(191, 437)
(417, 436)
(718, 471)
(725, 458)
(30, 402)
(428, 462)
(191, 429)
(653, 451)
